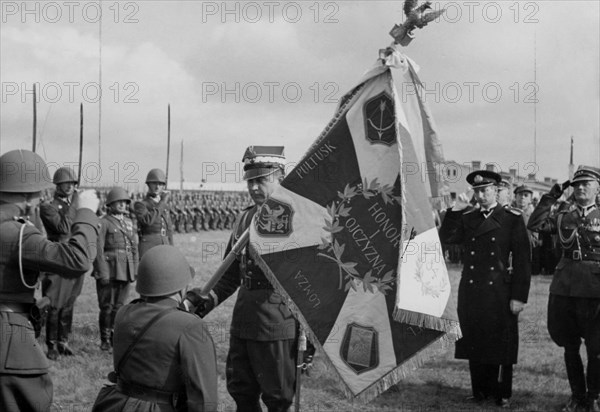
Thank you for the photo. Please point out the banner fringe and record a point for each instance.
(423, 320)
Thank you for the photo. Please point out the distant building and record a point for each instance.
(454, 175)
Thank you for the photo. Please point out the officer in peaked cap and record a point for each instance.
(523, 202)
(155, 226)
(574, 301)
(57, 215)
(492, 292)
(261, 360)
(116, 264)
(504, 192)
(25, 384)
(172, 365)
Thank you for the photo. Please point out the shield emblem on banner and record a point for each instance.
(275, 219)
(360, 348)
(380, 120)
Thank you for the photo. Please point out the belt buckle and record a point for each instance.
(163, 232)
(577, 255)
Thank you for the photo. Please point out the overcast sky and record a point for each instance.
(242, 73)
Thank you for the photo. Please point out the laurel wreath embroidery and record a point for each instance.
(334, 250)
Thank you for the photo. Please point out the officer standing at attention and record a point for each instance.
(25, 384)
(153, 216)
(57, 216)
(262, 348)
(491, 292)
(164, 357)
(574, 302)
(116, 264)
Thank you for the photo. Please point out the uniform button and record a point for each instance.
(491, 283)
(493, 239)
(492, 268)
(249, 273)
(473, 239)
(471, 267)
(249, 261)
(492, 253)
(472, 252)
(470, 280)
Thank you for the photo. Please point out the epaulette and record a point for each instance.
(514, 210)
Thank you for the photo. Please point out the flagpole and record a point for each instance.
(168, 142)
(231, 256)
(299, 366)
(34, 119)
(80, 143)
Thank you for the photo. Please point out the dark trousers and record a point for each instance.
(62, 294)
(261, 369)
(20, 393)
(570, 320)
(491, 380)
(110, 298)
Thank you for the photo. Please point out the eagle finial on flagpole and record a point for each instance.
(416, 16)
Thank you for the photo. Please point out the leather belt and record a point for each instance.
(147, 394)
(15, 307)
(581, 255)
(252, 283)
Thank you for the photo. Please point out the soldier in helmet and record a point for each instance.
(261, 360)
(164, 358)
(574, 301)
(25, 384)
(116, 264)
(153, 214)
(57, 215)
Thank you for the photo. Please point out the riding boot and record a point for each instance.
(64, 330)
(575, 373)
(52, 333)
(105, 331)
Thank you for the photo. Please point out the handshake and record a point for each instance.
(199, 304)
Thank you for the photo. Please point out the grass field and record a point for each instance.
(441, 384)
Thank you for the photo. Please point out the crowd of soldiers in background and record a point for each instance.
(545, 248)
(194, 211)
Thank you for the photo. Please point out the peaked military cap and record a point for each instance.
(522, 189)
(505, 183)
(262, 161)
(481, 178)
(586, 173)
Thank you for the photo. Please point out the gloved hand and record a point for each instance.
(558, 189)
(87, 199)
(516, 306)
(307, 358)
(202, 304)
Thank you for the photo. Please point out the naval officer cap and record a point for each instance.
(523, 189)
(482, 178)
(586, 173)
(262, 161)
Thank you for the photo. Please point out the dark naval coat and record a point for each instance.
(497, 269)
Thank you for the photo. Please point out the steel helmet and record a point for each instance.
(117, 193)
(156, 176)
(22, 171)
(64, 175)
(163, 270)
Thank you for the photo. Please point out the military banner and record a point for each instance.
(338, 235)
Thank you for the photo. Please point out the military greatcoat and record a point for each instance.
(497, 269)
(155, 226)
(171, 368)
(24, 381)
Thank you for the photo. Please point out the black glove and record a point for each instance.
(203, 304)
(558, 189)
(103, 281)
